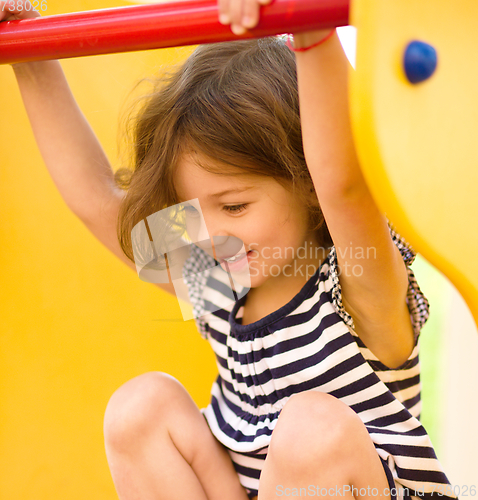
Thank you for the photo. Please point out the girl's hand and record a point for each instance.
(12, 10)
(244, 14)
(240, 14)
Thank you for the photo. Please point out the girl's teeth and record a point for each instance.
(233, 259)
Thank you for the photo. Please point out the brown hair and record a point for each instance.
(234, 103)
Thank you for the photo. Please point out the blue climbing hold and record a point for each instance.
(419, 61)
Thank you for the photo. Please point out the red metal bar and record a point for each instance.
(152, 26)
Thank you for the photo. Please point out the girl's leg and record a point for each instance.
(321, 445)
(159, 445)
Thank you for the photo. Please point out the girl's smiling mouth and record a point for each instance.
(236, 262)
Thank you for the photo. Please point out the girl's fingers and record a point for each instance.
(223, 8)
(250, 13)
(240, 14)
(235, 11)
(4, 11)
(10, 10)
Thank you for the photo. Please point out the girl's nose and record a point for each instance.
(220, 238)
(227, 246)
(205, 232)
(196, 226)
(209, 233)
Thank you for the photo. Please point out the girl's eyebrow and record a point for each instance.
(230, 191)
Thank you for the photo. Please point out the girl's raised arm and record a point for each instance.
(373, 277)
(69, 147)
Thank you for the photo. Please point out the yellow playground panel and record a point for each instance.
(418, 141)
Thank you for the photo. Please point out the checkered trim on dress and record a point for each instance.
(196, 271)
(336, 290)
(417, 303)
(407, 253)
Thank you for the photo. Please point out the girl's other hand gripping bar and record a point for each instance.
(240, 14)
(12, 10)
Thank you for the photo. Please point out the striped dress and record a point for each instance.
(310, 344)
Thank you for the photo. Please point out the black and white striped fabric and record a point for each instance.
(310, 344)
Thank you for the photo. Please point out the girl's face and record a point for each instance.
(260, 212)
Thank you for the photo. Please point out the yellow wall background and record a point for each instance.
(76, 323)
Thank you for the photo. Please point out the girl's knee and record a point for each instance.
(138, 406)
(314, 427)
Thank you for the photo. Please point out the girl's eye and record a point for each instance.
(235, 209)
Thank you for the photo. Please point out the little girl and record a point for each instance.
(318, 390)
